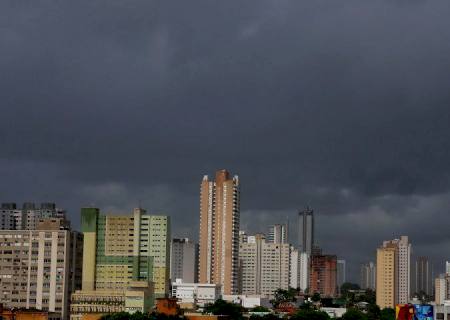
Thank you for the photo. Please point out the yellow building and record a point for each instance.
(386, 277)
(120, 252)
(119, 249)
(393, 272)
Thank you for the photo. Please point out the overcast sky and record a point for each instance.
(340, 105)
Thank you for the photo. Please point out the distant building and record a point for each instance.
(422, 277)
(299, 270)
(40, 268)
(306, 230)
(242, 236)
(219, 231)
(368, 276)
(341, 276)
(323, 275)
(264, 267)
(26, 218)
(278, 233)
(441, 289)
(393, 273)
(183, 262)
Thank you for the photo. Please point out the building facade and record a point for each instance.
(299, 270)
(393, 272)
(422, 277)
(27, 217)
(306, 230)
(368, 276)
(219, 231)
(278, 233)
(195, 293)
(341, 274)
(264, 267)
(441, 285)
(121, 249)
(183, 261)
(323, 275)
(40, 268)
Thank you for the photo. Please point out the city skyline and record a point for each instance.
(347, 113)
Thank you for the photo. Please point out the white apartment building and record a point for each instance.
(39, 268)
(299, 270)
(264, 267)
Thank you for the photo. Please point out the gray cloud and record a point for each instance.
(340, 105)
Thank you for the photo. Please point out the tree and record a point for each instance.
(354, 314)
(260, 309)
(387, 314)
(138, 316)
(310, 314)
(264, 317)
(347, 286)
(373, 312)
(315, 297)
(282, 296)
(221, 307)
(369, 296)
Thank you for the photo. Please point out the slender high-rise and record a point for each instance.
(422, 277)
(306, 230)
(341, 274)
(368, 276)
(219, 231)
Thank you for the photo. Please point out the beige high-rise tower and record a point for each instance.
(219, 231)
(393, 272)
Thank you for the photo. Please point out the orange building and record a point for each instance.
(167, 306)
(323, 275)
(219, 231)
(27, 314)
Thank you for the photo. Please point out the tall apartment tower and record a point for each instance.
(306, 230)
(183, 261)
(393, 272)
(278, 233)
(368, 276)
(264, 266)
(219, 231)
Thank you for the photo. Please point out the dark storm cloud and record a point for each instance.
(342, 105)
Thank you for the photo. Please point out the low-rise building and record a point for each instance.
(137, 297)
(196, 293)
(27, 314)
(248, 301)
